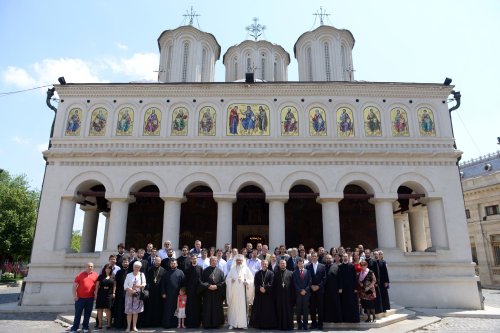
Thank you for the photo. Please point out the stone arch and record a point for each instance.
(413, 180)
(251, 178)
(367, 182)
(196, 179)
(310, 179)
(89, 179)
(140, 179)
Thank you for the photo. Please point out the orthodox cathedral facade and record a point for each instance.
(325, 161)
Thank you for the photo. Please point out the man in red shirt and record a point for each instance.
(84, 294)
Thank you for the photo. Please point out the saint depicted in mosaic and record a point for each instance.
(74, 122)
(180, 118)
(125, 124)
(372, 121)
(248, 119)
(207, 121)
(317, 122)
(98, 122)
(426, 122)
(345, 124)
(152, 121)
(399, 122)
(289, 121)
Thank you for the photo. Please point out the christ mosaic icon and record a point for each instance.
(125, 123)
(206, 124)
(180, 118)
(74, 123)
(152, 122)
(317, 122)
(98, 122)
(426, 122)
(248, 119)
(399, 122)
(372, 118)
(289, 121)
(345, 122)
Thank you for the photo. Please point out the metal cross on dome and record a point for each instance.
(322, 14)
(192, 14)
(255, 30)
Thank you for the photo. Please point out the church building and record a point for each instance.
(323, 161)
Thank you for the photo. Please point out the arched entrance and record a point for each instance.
(412, 221)
(250, 216)
(198, 218)
(145, 218)
(303, 218)
(357, 218)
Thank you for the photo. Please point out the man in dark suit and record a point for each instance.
(302, 281)
(291, 263)
(318, 278)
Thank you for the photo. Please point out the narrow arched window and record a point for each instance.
(249, 65)
(263, 68)
(169, 64)
(185, 59)
(204, 65)
(275, 70)
(345, 70)
(309, 64)
(327, 62)
(235, 69)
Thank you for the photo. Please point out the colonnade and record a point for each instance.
(390, 232)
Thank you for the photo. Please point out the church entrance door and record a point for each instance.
(198, 218)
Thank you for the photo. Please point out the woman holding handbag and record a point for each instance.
(134, 285)
(367, 293)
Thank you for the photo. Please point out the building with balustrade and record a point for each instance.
(323, 161)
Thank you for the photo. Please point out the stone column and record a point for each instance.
(224, 219)
(331, 221)
(65, 221)
(384, 216)
(276, 219)
(89, 230)
(106, 229)
(437, 223)
(172, 219)
(400, 231)
(417, 229)
(117, 229)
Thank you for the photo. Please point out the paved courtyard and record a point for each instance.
(47, 322)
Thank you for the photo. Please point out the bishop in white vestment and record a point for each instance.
(239, 283)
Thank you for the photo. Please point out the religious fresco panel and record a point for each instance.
(373, 126)
(152, 122)
(207, 119)
(74, 124)
(289, 118)
(426, 123)
(345, 122)
(248, 119)
(98, 121)
(317, 122)
(180, 121)
(125, 123)
(399, 122)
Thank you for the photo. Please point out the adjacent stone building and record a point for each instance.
(323, 161)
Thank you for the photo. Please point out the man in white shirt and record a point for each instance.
(203, 261)
(254, 263)
(221, 263)
(163, 252)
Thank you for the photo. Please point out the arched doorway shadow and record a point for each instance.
(199, 218)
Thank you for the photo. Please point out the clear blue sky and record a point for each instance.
(116, 41)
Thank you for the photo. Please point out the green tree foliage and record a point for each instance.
(76, 238)
(18, 211)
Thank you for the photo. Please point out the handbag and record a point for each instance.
(143, 293)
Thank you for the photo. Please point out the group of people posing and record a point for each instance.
(150, 288)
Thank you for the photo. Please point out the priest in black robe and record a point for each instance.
(119, 317)
(153, 306)
(333, 310)
(284, 294)
(347, 290)
(193, 291)
(383, 282)
(263, 310)
(373, 266)
(172, 281)
(213, 285)
(183, 261)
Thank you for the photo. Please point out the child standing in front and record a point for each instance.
(181, 307)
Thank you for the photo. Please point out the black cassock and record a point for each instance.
(153, 307)
(193, 292)
(373, 266)
(171, 283)
(120, 320)
(263, 310)
(348, 299)
(333, 310)
(183, 262)
(213, 314)
(383, 278)
(283, 292)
